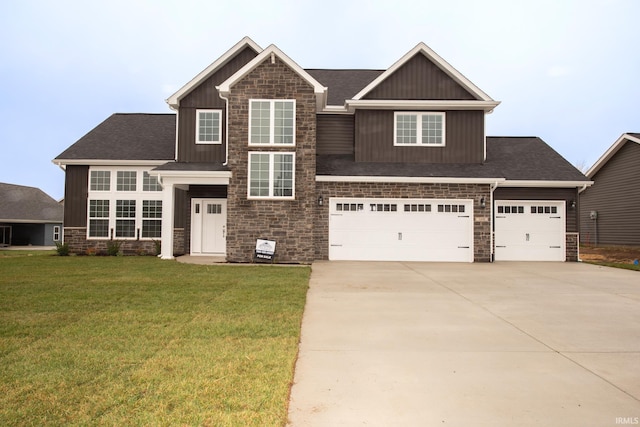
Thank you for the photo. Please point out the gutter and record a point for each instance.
(226, 127)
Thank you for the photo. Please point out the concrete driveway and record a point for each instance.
(503, 344)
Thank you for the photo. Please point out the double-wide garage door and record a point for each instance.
(401, 229)
(529, 230)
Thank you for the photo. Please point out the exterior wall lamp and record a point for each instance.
(320, 200)
(573, 204)
(482, 202)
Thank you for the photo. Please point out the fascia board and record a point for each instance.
(30, 221)
(102, 162)
(487, 106)
(408, 179)
(435, 58)
(192, 177)
(225, 87)
(174, 100)
(545, 184)
(610, 153)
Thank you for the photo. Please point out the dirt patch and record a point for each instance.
(614, 254)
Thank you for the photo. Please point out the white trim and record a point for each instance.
(31, 221)
(408, 179)
(174, 100)
(610, 153)
(321, 92)
(391, 104)
(271, 142)
(438, 61)
(419, 130)
(197, 125)
(102, 162)
(271, 155)
(545, 184)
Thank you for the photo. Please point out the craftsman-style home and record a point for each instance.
(330, 164)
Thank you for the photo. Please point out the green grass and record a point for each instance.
(140, 341)
(616, 265)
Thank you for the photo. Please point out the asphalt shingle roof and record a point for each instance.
(513, 158)
(127, 137)
(343, 84)
(18, 202)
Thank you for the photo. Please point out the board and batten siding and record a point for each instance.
(569, 195)
(335, 134)
(419, 78)
(615, 195)
(76, 190)
(206, 96)
(464, 139)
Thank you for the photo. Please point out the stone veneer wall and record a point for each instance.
(76, 237)
(481, 216)
(572, 247)
(288, 222)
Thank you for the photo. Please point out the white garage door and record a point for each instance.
(401, 230)
(529, 230)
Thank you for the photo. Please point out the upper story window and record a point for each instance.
(272, 122)
(271, 175)
(126, 181)
(208, 125)
(421, 128)
(100, 181)
(150, 183)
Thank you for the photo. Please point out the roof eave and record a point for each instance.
(610, 153)
(545, 183)
(105, 162)
(486, 106)
(174, 100)
(408, 179)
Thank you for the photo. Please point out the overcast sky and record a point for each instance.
(566, 71)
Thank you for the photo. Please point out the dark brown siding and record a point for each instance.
(419, 78)
(615, 195)
(206, 96)
(76, 186)
(335, 134)
(464, 139)
(567, 194)
(179, 215)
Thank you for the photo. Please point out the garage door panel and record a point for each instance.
(401, 230)
(529, 231)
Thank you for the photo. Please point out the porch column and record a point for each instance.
(168, 191)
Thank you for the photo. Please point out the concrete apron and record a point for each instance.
(503, 344)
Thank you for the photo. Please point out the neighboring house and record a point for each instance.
(331, 164)
(28, 216)
(610, 209)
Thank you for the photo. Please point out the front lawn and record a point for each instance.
(140, 341)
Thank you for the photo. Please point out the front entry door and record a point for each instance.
(209, 226)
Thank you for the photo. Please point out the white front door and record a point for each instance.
(209, 226)
(530, 230)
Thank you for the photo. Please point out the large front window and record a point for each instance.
(425, 128)
(271, 175)
(272, 122)
(122, 205)
(208, 126)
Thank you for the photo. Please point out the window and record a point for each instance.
(126, 181)
(150, 183)
(353, 207)
(427, 128)
(510, 209)
(451, 208)
(98, 218)
(208, 126)
(100, 181)
(56, 233)
(272, 122)
(151, 218)
(417, 208)
(125, 218)
(271, 175)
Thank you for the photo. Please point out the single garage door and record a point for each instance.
(529, 230)
(401, 230)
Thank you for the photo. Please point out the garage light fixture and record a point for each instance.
(320, 201)
(482, 202)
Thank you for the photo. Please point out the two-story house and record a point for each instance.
(331, 164)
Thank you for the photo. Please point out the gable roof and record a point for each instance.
(19, 203)
(620, 142)
(517, 159)
(142, 138)
(343, 84)
(174, 99)
(273, 51)
(425, 50)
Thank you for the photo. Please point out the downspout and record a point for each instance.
(492, 222)
(226, 128)
(175, 153)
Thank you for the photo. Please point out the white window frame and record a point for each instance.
(56, 233)
(219, 116)
(272, 155)
(419, 115)
(272, 123)
(139, 195)
(96, 171)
